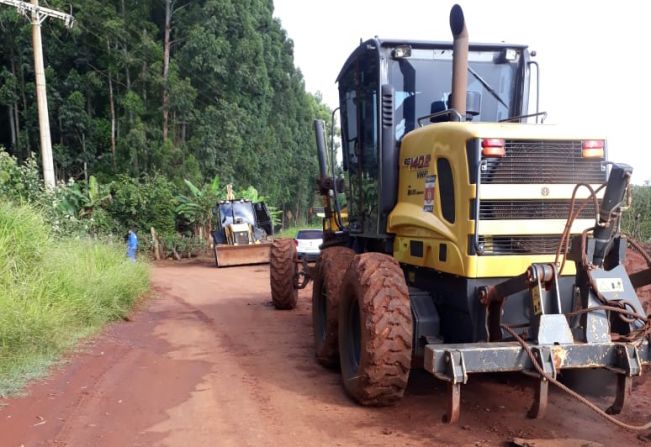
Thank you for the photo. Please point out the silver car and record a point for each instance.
(307, 244)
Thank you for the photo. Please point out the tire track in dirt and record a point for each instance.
(232, 348)
(84, 400)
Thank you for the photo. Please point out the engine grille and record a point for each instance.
(531, 209)
(519, 245)
(241, 238)
(542, 161)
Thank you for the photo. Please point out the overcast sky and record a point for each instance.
(594, 55)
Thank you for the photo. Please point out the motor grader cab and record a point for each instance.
(477, 241)
(242, 233)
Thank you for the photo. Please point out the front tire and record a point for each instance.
(331, 269)
(375, 330)
(282, 270)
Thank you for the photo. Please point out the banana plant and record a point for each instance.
(252, 194)
(196, 207)
(82, 202)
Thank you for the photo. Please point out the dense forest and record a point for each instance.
(177, 89)
(146, 94)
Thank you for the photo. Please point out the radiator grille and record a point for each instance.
(241, 238)
(542, 161)
(531, 209)
(519, 245)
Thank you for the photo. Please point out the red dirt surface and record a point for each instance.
(207, 361)
(634, 263)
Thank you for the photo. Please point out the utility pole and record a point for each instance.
(38, 15)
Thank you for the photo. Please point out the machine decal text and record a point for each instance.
(428, 199)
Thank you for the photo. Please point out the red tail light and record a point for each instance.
(493, 148)
(593, 148)
(296, 242)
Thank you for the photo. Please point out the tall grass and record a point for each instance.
(53, 292)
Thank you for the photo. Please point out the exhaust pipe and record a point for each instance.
(459, 60)
(320, 146)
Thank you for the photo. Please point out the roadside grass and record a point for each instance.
(53, 293)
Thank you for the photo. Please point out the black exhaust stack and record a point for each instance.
(319, 132)
(459, 60)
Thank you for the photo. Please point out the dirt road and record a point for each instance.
(208, 362)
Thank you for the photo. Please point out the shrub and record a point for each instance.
(19, 183)
(55, 292)
(141, 203)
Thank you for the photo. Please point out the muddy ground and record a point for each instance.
(207, 361)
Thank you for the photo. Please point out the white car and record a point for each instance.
(307, 244)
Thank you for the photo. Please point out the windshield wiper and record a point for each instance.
(487, 86)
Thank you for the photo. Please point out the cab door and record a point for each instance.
(359, 99)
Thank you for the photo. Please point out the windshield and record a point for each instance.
(422, 85)
(243, 213)
(236, 212)
(225, 214)
(309, 234)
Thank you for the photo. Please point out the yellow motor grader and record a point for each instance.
(478, 239)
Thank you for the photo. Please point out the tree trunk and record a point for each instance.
(117, 120)
(143, 73)
(125, 51)
(14, 109)
(112, 108)
(166, 66)
(60, 123)
(17, 124)
(174, 130)
(90, 110)
(297, 215)
(83, 148)
(136, 166)
(111, 105)
(12, 127)
(24, 97)
(126, 70)
(146, 156)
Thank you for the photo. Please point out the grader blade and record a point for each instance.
(231, 255)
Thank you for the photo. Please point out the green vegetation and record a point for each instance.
(291, 231)
(154, 108)
(137, 104)
(55, 292)
(637, 219)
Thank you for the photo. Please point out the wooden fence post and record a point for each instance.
(154, 238)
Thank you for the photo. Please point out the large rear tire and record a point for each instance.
(375, 330)
(331, 269)
(282, 271)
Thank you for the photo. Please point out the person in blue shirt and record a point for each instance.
(132, 245)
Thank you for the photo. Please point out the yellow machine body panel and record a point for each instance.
(419, 219)
(329, 221)
(239, 228)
